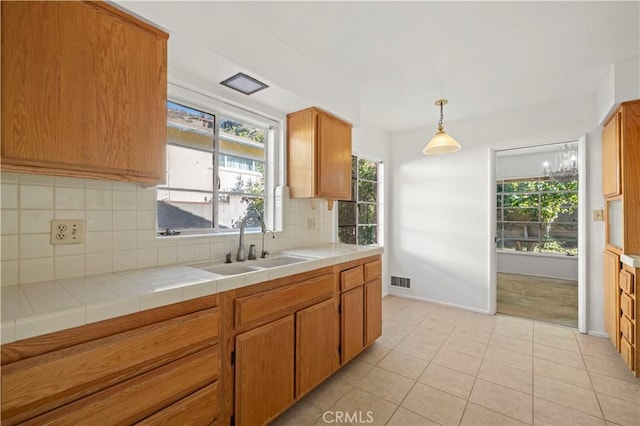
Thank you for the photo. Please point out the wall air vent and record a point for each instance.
(401, 282)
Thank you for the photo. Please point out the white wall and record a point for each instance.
(550, 266)
(372, 143)
(441, 225)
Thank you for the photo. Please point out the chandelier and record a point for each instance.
(565, 167)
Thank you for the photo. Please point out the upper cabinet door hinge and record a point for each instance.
(340, 308)
(233, 360)
(232, 421)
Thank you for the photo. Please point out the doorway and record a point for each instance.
(539, 233)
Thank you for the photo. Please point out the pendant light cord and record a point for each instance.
(441, 118)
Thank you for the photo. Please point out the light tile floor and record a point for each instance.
(439, 365)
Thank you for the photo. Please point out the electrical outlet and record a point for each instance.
(67, 231)
(311, 223)
(598, 215)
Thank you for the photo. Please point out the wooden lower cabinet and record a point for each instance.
(352, 323)
(264, 372)
(372, 311)
(316, 346)
(611, 293)
(199, 408)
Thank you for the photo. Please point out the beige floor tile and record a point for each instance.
(385, 384)
(565, 394)
(353, 371)
(552, 329)
(596, 346)
(567, 344)
(403, 364)
(613, 367)
(428, 335)
(448, 380)
(514, 327)
(441, 407)
(417, 349)
(302, 413)
(457, 361)
(472, 333)
(514, 378)
(393, 332)
(561, 372)
(410, 315)
(511, 344)
(404, 417)
(439, 324)
(361, 406)
(509, 358)
(621, 389)
(507, 401)
(476, 319)
(477, 415)
(572, 359)
(328, 393)
(374, 353)
(548, 413)
(620, 411)
(465, 346)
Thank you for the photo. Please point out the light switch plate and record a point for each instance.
(311, 223)
(67, 231)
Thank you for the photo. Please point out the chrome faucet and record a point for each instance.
(264, 253)
(241, 256)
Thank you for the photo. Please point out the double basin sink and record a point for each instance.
(250, 265)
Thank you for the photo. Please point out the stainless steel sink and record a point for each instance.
(250, 265)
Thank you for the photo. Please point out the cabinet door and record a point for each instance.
(611, 157)
(264, 372)
(372, 311)
(352, 323)
(84, 91)
(333, 169)
(316, 345)
(611, 291)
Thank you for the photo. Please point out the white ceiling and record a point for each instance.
(387, 62)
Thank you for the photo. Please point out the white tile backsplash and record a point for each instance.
(36, 197)
(120, 230)
(9, 196)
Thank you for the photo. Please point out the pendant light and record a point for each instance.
(441, 143)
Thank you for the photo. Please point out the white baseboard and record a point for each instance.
(452, 305)
(597, 333)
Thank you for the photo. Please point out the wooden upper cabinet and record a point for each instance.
(611, 157)
(83, 91)
(319, 155)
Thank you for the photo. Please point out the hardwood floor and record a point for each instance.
(543, 299)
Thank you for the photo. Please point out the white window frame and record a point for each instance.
(195, 98)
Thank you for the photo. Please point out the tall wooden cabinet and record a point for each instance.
(621, 189)
(319, 155)
(84, 89)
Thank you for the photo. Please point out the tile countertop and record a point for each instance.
(30, 310)
(631, 260)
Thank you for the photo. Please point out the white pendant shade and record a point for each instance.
(441, 143)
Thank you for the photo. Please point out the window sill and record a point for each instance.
(531, 253)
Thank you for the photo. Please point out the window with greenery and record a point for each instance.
(537, 215)
(358, 218)
(215, 171)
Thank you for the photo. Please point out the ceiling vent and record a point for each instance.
(244, 84)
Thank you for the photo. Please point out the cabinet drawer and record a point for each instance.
(626, 281)
(626, 305)
(141, 396)
(199, 408)
(41, 383)
(284, 300)
(351, 278)
(626, 349)
(627, 328)
(372, 270)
